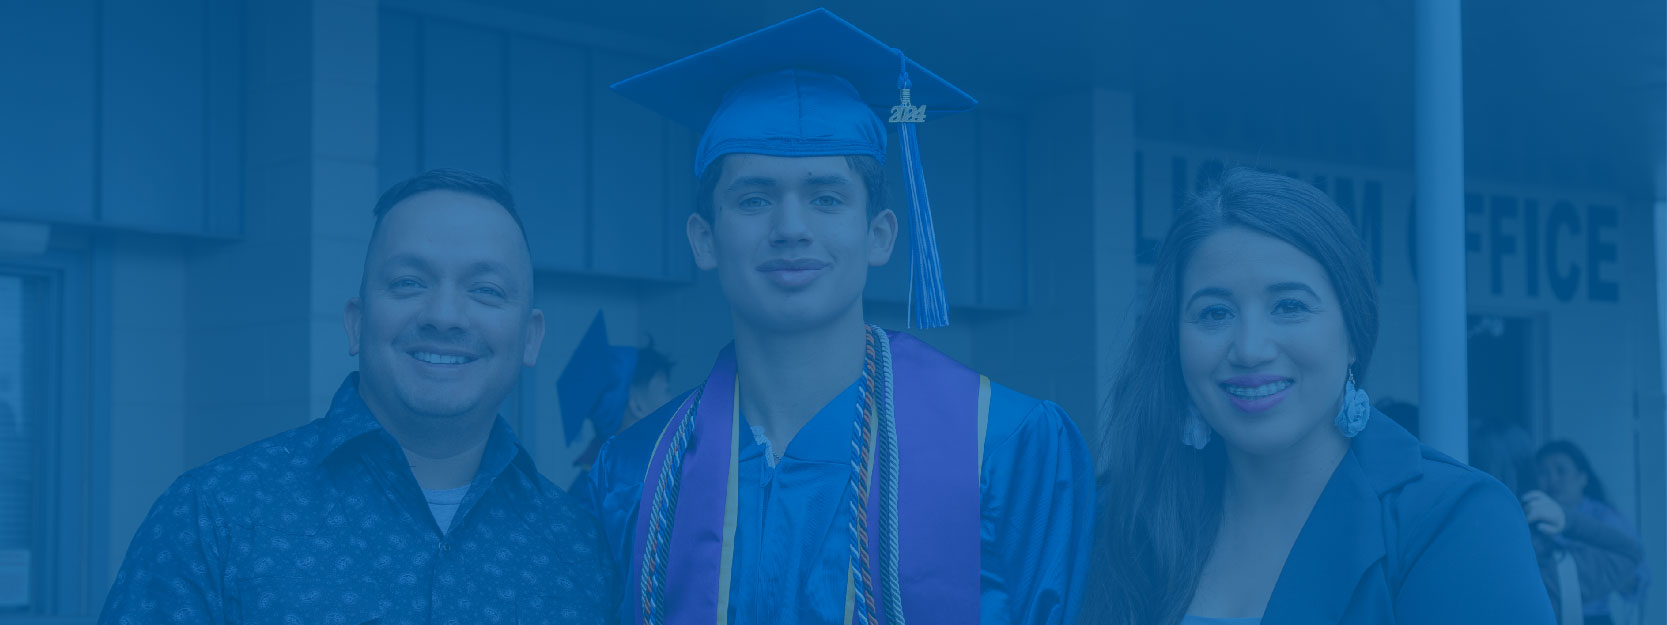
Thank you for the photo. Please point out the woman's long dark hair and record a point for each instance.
(1594, 487)
(1160, 501)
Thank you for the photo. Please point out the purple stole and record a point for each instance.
(939, 406)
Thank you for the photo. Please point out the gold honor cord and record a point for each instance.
(983, 420)
(727, 565)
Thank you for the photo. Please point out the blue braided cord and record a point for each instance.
(889, 466)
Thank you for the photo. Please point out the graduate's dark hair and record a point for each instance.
(650, 362)
(1160, 500)
(1594, 487)
(868, 168)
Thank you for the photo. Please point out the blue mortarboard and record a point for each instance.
(596, 383)
(811, 86)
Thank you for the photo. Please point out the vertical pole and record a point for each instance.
(1438, 154)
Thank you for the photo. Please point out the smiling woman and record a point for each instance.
(1311, 507)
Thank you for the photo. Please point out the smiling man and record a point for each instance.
(411, 500)
(828, 471)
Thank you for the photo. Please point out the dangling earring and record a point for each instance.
(1357, 409)
(1195, 433)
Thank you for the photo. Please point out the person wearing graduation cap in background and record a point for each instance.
(828, 471)
(611, 386)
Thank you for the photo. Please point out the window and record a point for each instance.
(18, 457)
(53, 561)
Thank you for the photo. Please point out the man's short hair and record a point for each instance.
(446, 179)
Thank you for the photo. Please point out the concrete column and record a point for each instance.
(267, 348)
(1438, 156)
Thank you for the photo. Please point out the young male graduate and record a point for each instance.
(828, 471)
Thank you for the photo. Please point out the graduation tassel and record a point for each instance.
(928, 303)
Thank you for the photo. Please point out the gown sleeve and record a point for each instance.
(613, 490)
(1037, 516)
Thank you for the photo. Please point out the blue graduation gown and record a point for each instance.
(792, 543)
(1404, 534)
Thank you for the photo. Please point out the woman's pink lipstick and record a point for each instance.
(1256, 404)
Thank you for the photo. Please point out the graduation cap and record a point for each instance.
(596, 383)
(813, 85)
